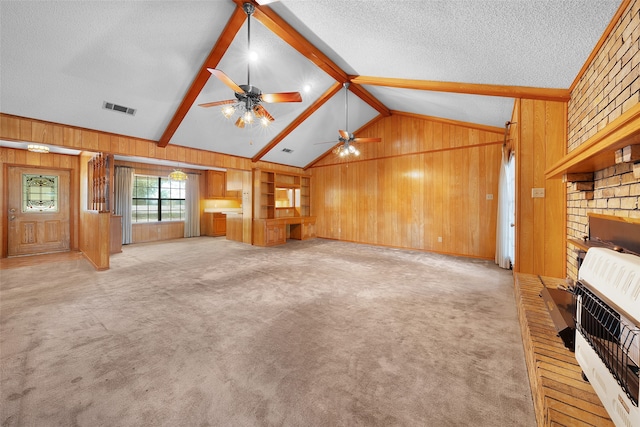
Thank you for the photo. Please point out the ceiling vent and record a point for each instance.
(120, 108)
(287, 150)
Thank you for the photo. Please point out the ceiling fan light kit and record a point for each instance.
(247, 103)
(346, 150)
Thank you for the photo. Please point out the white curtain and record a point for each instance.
(505, 233)
(192, 206)
(123, 199)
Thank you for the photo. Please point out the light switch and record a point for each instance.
(489, 196)
(537, 192)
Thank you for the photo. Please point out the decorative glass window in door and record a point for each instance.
(39, 193)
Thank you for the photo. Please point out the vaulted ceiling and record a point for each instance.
(463, 60)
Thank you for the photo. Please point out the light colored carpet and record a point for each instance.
(209, 332)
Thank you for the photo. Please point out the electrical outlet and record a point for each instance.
(537, 192)
(489, 196)
(439, 239)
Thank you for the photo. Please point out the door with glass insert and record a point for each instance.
(38, 211)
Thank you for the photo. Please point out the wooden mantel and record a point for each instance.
(598, 152)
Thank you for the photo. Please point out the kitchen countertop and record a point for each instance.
(224, 210)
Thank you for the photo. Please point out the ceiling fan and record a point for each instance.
(248, 98)
(346, 139)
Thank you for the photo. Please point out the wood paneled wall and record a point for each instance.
(155, 231)
(427, 179)
(10, 156)
(17, 128)
(540, 141)
(31, 130)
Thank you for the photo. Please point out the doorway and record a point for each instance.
(38, 211)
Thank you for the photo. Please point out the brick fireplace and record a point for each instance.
(609, 87)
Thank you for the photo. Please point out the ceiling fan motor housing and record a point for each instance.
(250, 91)
(251, 95)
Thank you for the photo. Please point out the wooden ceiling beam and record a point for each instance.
(290, 35)
(526, 92)
(286, 32)
(301, 118)
(218, 51)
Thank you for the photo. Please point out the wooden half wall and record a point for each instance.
(429, 185)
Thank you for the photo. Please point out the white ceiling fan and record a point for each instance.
(248, 98)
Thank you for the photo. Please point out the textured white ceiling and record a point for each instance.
(60, 60)
(493, 110)
(506, 42)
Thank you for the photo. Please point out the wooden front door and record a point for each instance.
(38, 210)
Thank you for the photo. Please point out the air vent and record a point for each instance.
(287, 150)
(120, 108)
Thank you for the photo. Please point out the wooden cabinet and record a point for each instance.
(216, 184)
(213, 224)
(269, 232)
(219, 224)
(234, 184)
(275, 233)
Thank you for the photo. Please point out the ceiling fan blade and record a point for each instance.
(367, 139)
(328, 142)
(260, 112)
(344, 134)
(282, 97)
(226, 80)
(213, 104)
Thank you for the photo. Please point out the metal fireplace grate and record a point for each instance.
(615, 339)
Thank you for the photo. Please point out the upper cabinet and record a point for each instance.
(234, 184)
(216, 184)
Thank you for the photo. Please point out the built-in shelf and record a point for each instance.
(282, 208)
(598, 152)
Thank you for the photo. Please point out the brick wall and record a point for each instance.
(609, 87)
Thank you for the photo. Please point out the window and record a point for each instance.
(39, 193)
(157, 199)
